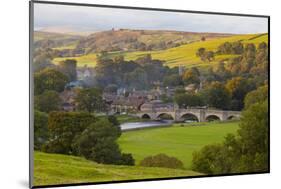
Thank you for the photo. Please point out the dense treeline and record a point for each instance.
(245, 152)
(140, 74)
(226, 84)
(80, 134)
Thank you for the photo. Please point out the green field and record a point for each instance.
(63, 169)
(182, 55)
(175, 141)
(89, 60)
(178, 141)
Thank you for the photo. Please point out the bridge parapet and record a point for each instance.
(201, 114)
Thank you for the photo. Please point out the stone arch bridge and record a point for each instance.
(199, 115)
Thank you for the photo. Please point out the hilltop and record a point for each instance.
(133, 40)
(55, 40)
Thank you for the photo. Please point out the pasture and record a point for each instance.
(178, 141)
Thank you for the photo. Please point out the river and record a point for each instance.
(146, 124)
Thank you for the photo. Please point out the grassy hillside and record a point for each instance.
(175, 141)
(186, 54)
(63, 169)
(182, 55)
(55, 40)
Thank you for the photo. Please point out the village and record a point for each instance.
(122, 100)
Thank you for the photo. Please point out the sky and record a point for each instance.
(81, 18)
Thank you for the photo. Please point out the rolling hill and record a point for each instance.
(55, 40)
(133, 40)
(62, 169)
(182, 55)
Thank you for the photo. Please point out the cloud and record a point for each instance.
(97, 18)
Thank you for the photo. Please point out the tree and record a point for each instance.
(261, 61)
(205, 55)
(41, 133)
(234, 65)
(48, 101)
(68, 67)
(231, 48)
(221, 73)
(172, 80)
(225, 48)
(106, 71)
(253, 133)
(138, 79)
(217, 96)
(63, 128)
(237, 48)
(90, 100)
(112, 88)
(184, 100)
(49, 79)
(200, 52)
(255, 96)
(98, 143)
(112, 119)
(166, 99)
(248, 58)
(238, 87)
(191, 76)
(246, 152)
(209, 56)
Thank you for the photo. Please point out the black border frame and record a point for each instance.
(31, 150)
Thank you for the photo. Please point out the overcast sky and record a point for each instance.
(96, 19)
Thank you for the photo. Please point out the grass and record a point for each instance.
(186, 54)
(63, 169)
(175, 141)
(182, 55)
(68, 46)
(89, 60)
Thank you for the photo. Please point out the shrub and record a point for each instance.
(106, 151)
(127, 159)
(162, 160)
(212, 159)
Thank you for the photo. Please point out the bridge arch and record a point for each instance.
(213, 118)
(165, 116)
(232, 117)
(189, 117)
(146, 116)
